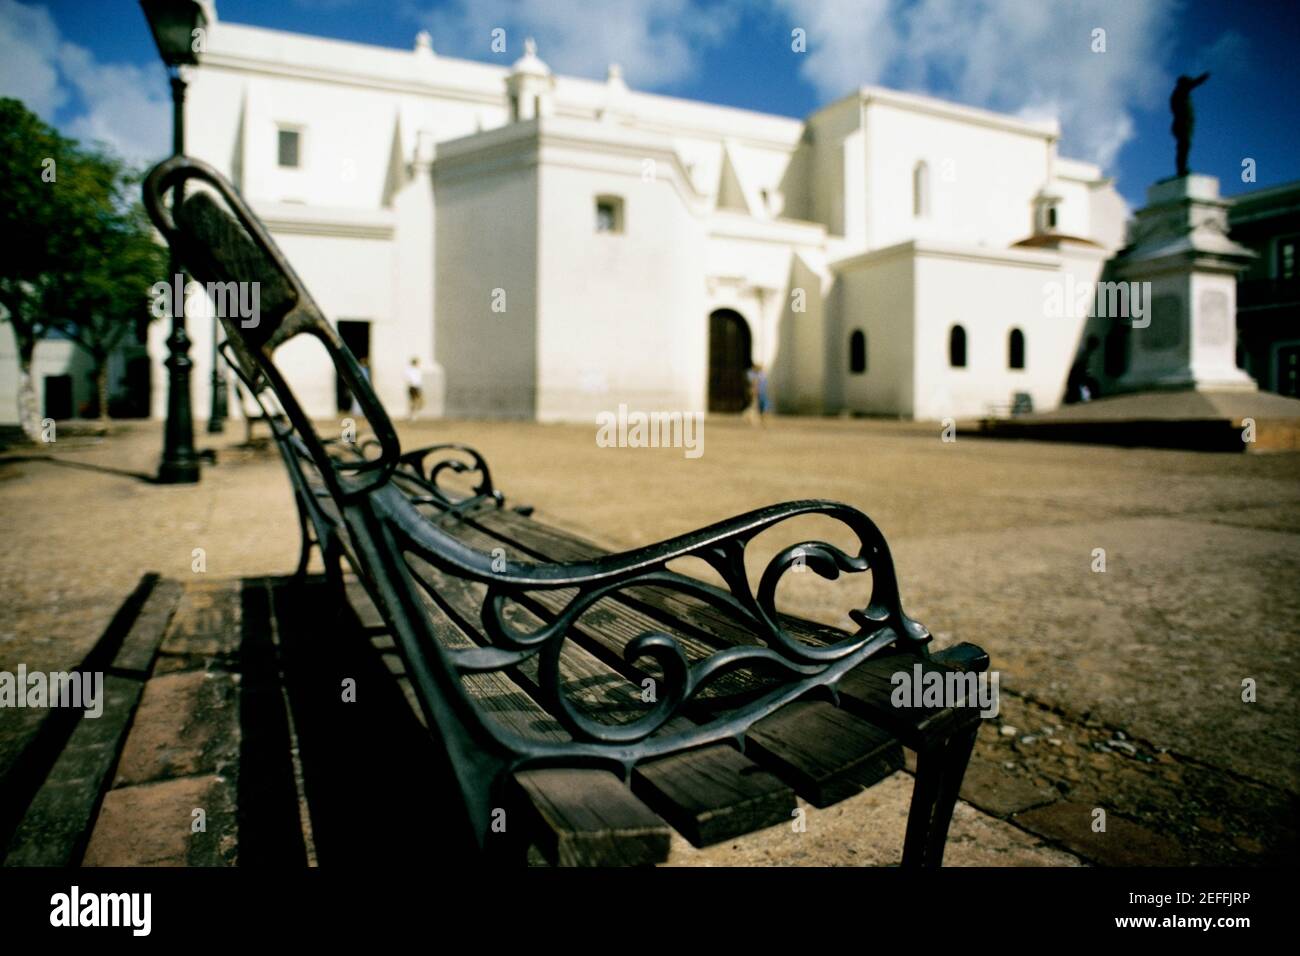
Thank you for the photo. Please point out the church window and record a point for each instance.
(921, 190)
(609, 214)
(858, 352)
(290, 142)
(957, 347)
(1016, 349)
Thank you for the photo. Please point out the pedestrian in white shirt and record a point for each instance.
(415, 387)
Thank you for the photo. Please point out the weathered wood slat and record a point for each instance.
(589, 818)
(827, 753)
(713, 794)
(503, 699)
(869, 688)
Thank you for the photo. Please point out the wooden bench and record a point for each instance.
(586, 701)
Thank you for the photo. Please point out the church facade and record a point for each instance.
(552, 247)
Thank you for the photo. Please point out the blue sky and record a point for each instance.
(89, 65)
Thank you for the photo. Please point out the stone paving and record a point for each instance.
(1122, 688)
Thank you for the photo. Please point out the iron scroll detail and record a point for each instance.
(801, 663)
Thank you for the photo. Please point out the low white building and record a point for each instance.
(551, 247)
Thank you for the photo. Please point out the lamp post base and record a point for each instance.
(180, 462)
(179, 472)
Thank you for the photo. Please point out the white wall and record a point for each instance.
(874, 293)
(829, 128)
(486, 238)
(622, 316)
(799, 365)
(983, 179)
(51, 357)
(988, 295)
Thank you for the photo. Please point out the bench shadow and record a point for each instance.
(62, 463)
(377, 785)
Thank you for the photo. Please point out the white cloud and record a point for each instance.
(657, 42)
(128, 107)
(1028, 57)
(29, 43)
(122, 105)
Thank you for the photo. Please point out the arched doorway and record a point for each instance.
(729, 360)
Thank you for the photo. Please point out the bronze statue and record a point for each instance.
(1180, 102)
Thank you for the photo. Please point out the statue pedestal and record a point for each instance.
(1179, 244)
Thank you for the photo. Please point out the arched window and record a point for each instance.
(957, 347)
(858, 352)
(1016, 349)
(921, 189)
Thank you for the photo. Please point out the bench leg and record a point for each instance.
(939, 774)
(332, 556)
(304, 554)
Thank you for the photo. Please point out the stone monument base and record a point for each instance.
(1184, 267)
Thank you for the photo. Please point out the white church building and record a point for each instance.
(551, 247)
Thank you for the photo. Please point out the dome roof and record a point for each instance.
(530, 63)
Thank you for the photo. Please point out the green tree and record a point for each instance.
(79, 256)
(115, 266)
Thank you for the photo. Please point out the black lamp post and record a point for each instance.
(173, 23)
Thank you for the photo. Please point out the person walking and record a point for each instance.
(758, 395)
(414, 387)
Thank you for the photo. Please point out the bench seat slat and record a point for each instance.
(713, 794)
(868, 690)
(589, 818)
(497, 694)
(827, 753)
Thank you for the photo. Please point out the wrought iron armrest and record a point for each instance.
(881, 623)
(484, 490)
(721, 545)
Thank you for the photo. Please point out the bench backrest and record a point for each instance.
(217, 246)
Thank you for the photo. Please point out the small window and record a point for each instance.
(921, 190)
(1016, 349)
(290, 140)
(1051, 216)
(609, 214)
(858, 352)
(957, 347)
